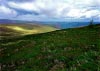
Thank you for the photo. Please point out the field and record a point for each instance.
(75, 49)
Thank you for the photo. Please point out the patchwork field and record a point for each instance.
(76, 49)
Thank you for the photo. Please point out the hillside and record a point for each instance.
(76, 49)
(11, 30)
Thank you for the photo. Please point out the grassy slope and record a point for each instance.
(23, 29)
(65, 50)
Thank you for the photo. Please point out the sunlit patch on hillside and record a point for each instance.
(16, 28)
(23, 29)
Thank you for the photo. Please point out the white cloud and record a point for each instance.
(91, 13)
(58, 8)
(84, 2)
(75, 13)
(30, 17)
(26, 6)
(23, 17)
(78, 13)
(7, 12)
(99, 16)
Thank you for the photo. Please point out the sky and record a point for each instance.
(50, 10)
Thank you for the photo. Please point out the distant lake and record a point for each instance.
(64, 25)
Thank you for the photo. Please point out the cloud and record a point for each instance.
(75, 13)
(31, 17)
(25, 6)
(51, 9)
(92, 13)
(78, 13)
(7, 12)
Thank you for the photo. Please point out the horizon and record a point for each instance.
(12, 20)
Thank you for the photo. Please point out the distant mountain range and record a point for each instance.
(12, 21)
(42, 22)
(60, 25)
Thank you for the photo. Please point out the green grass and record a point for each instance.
(76, 49)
